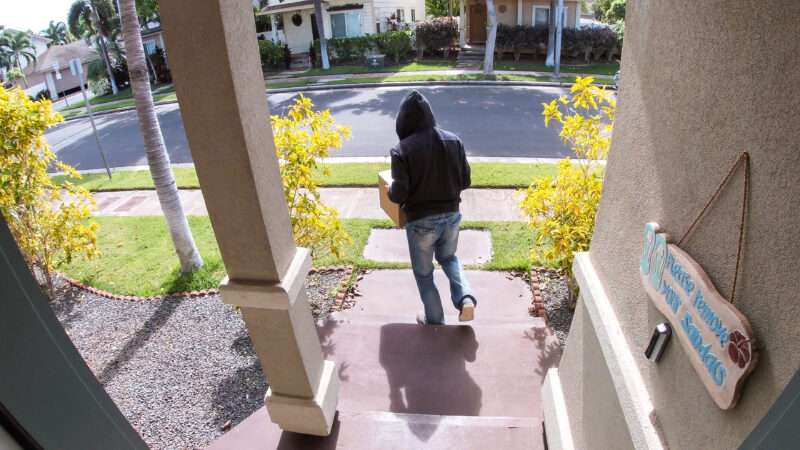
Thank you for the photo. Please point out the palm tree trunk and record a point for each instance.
(323, 44)
(157, 157)
(107, 61)
(488, 58)
(101, 42)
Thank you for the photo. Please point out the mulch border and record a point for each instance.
(341, 290)
(537, 304)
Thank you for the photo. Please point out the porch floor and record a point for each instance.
(405, 386)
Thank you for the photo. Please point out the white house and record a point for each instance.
(341, 18)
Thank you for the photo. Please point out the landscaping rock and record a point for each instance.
(182, 370)
(555, 294)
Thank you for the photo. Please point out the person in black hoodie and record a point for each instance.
(429, 171)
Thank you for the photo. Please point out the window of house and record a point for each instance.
(541, 16)
(346, 24)
(401, 16)
(413, 15)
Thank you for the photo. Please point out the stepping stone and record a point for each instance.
(474, 246)
(502, 297)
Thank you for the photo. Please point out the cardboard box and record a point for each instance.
(391, 208)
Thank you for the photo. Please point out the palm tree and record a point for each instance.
(157, 157)
(95, 18)
(17, 46)
(57, 33)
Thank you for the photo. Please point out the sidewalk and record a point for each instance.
(445, 72)
(352, 203)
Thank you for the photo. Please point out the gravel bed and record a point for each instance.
(555, 294)
(182, 370)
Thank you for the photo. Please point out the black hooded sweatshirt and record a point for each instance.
(429, 166)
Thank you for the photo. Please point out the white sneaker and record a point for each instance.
(421, 320)
(467, 311)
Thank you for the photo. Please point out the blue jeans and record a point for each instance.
(437, 236)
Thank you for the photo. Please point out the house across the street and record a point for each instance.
(341, 18)
(51, 71)
(514, 12)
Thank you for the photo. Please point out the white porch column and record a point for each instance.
(274, 25)
(218, 78)
(519, 12)
(462, 25)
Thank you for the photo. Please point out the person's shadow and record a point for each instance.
(426, 367)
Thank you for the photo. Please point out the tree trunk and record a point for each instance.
(101, 42)
(157, 157)
(491, 23)
(323, 45)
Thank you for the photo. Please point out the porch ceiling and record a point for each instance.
(288, 7)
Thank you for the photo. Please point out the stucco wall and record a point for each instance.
(701, 82)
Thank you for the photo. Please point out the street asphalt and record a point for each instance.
(493, 121)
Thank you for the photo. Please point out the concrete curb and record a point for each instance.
(370, 85)
(426, 84)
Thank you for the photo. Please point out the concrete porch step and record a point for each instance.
(453, 370)
(389, 431)
(408, 386)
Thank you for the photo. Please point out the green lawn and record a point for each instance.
(484, 175)
(137, 256)
(593, 69)
(410, 67)
(119, 103)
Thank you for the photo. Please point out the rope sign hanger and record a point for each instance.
(743, 160)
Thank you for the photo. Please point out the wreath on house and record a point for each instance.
(297, 20)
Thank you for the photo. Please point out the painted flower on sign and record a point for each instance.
(739, 349)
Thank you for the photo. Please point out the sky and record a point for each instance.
(32, 15)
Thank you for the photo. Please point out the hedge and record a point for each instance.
(396, 44)
(586, 43)
(273, 56)
(436, 34)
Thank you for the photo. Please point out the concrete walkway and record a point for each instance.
(446, 72)
(406, 386)
(352, 203)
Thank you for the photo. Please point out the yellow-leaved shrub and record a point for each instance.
(50, 222)
(561, 210)
(301, 137)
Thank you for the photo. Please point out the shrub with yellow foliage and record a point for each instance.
(50, 222)
(561, 210)
(303, 136)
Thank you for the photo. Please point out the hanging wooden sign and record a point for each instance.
(714, 334)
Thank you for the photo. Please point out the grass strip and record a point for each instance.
(352, 69)
(586, 69)
(137, 256)
(484, 175)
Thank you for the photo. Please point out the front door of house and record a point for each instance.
(477, 23)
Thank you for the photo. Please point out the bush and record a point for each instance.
(561, 210)
(51, 223)
(349, 49)
(518, 38)
(99, 87)
(96, 70)
(394, 43)
(581, 43)
(303, 136)
(271, 55)
(436, 34)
